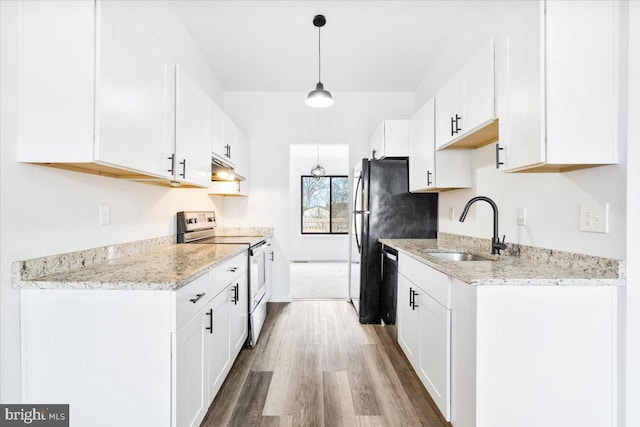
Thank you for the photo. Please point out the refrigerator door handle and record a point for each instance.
(355, 212)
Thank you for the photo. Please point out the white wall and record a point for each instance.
(44, 211)
(335, 159)
(552, 200)
(275, 120)
(632, 339)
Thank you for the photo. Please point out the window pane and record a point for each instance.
(315, 204)
(339, 204)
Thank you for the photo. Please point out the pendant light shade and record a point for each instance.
(319, 98)
(318, 170)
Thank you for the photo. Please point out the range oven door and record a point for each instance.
(257, 276)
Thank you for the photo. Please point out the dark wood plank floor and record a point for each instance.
(315, 365)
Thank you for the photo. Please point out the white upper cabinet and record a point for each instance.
(236, 150)
(134, 103)
(465, 110)
(108, 106)
(193, 138)
(559, 101)
(431, 170)
(218, 118)
(391, 139)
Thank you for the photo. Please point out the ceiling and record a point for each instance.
(377, 46)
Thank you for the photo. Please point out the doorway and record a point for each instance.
(319, 221)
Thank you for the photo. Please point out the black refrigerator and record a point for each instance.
(383, 208)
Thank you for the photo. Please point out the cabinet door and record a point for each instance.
(217, 129)
(422, 165)
(479, 92)
(231, 138)
(239, 321)
(522, 111)
(408, 318)
(396, 138)
(581, 54)
(217, 338)
(190, 369)
(134, 104)
(435, 350)
(449, 108)
(193, 140)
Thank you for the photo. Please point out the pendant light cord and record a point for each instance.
(319, 59)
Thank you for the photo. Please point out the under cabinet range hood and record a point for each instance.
(223, 170)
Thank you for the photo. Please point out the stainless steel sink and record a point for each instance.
(457, 256)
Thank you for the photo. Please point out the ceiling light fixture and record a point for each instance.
(319, 98)
(318, 170)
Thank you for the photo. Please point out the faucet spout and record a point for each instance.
(496, 245)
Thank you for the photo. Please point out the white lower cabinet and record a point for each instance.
(509, 355)
(424, 329)
(238, 312)
(434, 364)
(408, 320)
(217, 331)
(190, 369)
(159, 357)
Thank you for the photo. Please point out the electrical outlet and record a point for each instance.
(105, 214)
(522, 216)
(594, 218)
(452, 214)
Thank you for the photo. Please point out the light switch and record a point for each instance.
(105, 214)
(594, 218)
(522, 216)
(452, 214)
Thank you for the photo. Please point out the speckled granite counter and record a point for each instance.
(166, 268)
(533, 266)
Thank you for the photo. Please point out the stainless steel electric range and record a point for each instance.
(199, 227)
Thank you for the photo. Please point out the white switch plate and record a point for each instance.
(522, 216)
(105, 214)
(452, 214)
(594, 218)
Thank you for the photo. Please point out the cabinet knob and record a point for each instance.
(429, 183)
(373, 154)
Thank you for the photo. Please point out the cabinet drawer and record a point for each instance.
(221, 276)
(191, 298)
(432, 282)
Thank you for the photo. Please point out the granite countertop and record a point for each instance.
(168, 267)
(539, 270)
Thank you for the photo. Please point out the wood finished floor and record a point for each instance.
(315, 365)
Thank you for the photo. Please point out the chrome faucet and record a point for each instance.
(496, 245)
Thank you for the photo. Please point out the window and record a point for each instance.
(324, 205)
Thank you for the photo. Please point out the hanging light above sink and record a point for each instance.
(319, 98)
(318, 170)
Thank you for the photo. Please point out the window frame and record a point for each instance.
(330, 233)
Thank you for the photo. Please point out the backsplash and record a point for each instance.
(586, 263)
(243, 231)
(37, 267)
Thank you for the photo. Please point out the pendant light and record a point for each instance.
(318, 170)
(319, 98)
